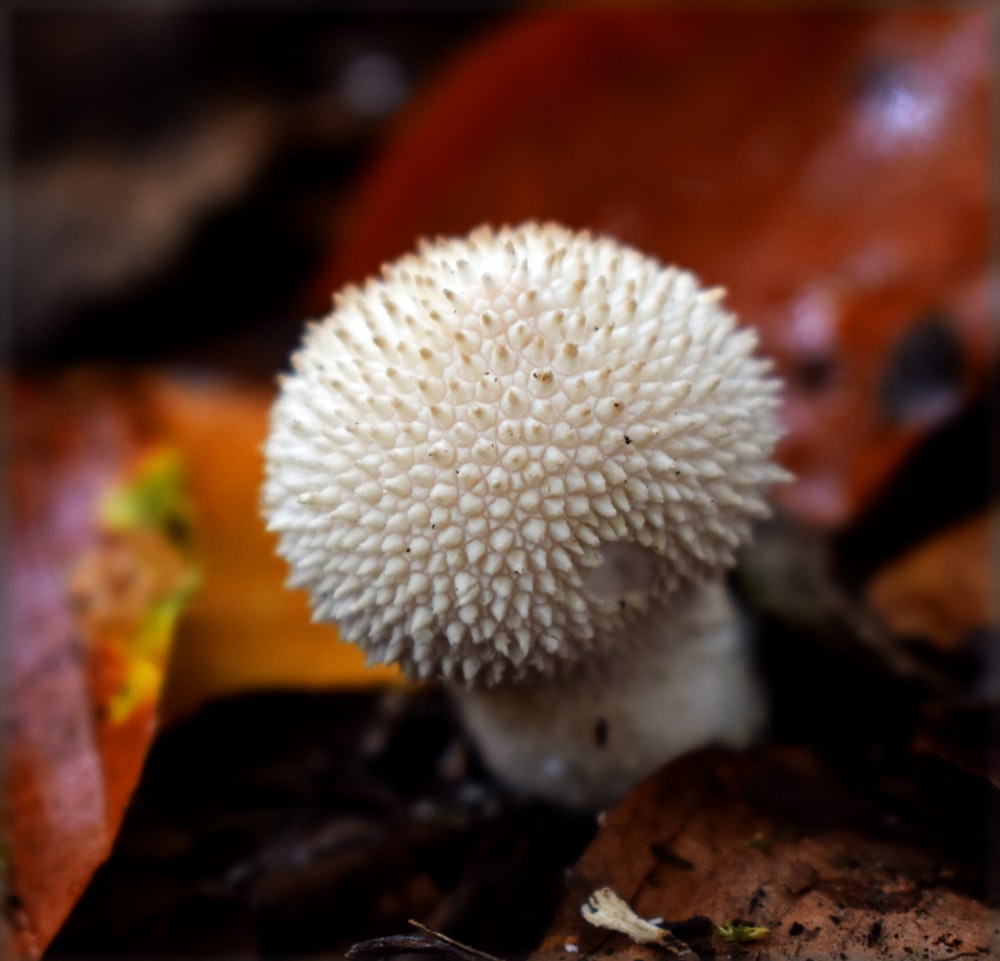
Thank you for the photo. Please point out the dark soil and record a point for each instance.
(293, 824)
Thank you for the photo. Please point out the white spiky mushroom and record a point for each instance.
(520, 462)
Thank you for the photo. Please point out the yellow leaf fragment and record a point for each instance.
(739, 932)
(129, 590)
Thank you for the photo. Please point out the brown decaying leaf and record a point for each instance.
(937, 603)
(940, 591)
(829, 167)
(832, 881)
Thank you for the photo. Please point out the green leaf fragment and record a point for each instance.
(739, 932)
(155, 498)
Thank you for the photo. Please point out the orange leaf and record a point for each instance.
(243, 629)
(828, 167)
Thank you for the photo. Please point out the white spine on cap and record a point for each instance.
(515, 450)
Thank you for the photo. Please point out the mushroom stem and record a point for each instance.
(585, 737)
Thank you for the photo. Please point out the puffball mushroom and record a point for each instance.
(520, 462)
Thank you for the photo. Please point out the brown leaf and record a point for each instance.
(937, 604)
(769, 838)
(940, 591)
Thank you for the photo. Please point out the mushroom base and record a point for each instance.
(584, 739)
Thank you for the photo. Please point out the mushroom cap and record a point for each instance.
(514, 448)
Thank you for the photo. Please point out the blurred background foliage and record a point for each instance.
(181, 171)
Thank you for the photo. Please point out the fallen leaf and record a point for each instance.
(135, 524)
(829, 167)
(99, 579)
(939, 592)
(127, 592)
(243, 629)
(937, 604)
(835, 880)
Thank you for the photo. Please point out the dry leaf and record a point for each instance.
(604, 909)
(768, 839)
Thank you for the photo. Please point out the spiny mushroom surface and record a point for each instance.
(512, 449)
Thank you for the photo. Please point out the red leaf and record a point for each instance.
(81, 723)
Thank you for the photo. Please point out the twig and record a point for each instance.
(427, 941)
